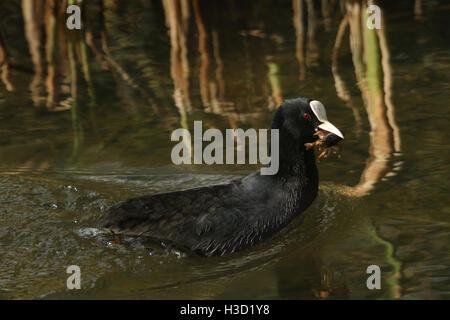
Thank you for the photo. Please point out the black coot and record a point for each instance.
(221, 219)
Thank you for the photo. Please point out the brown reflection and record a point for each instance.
(211, 71)
(388, 92)
(370, 55)
(371, 62)
(74, 106)
(51, 7)
(418, 9)
(32, 12)
(368, 48)
(374, 76)
(5, 65)
(327, 9)
(177, 14)
(341, 88)
(177, 20)
(218, 90)
(300, 34)
(49, 14)
(204, 55)
(306, 57)
(312, 49)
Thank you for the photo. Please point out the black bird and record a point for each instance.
(221, 219)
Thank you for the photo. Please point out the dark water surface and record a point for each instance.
(229, 64)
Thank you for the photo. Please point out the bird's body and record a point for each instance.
(221, 219)
(218, 219)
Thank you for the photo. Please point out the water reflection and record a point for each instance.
(5, 65)
(94, 109)
(374, 79)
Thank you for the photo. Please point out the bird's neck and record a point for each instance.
(299, 177)
(296, 162)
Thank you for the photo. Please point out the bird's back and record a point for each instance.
(210, 220)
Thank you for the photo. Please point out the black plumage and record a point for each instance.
(221, 219)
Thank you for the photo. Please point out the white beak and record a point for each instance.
(319, 110)
(327, 126)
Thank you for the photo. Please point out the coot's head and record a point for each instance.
(299, 119)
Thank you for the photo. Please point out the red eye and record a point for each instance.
(306, 116)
